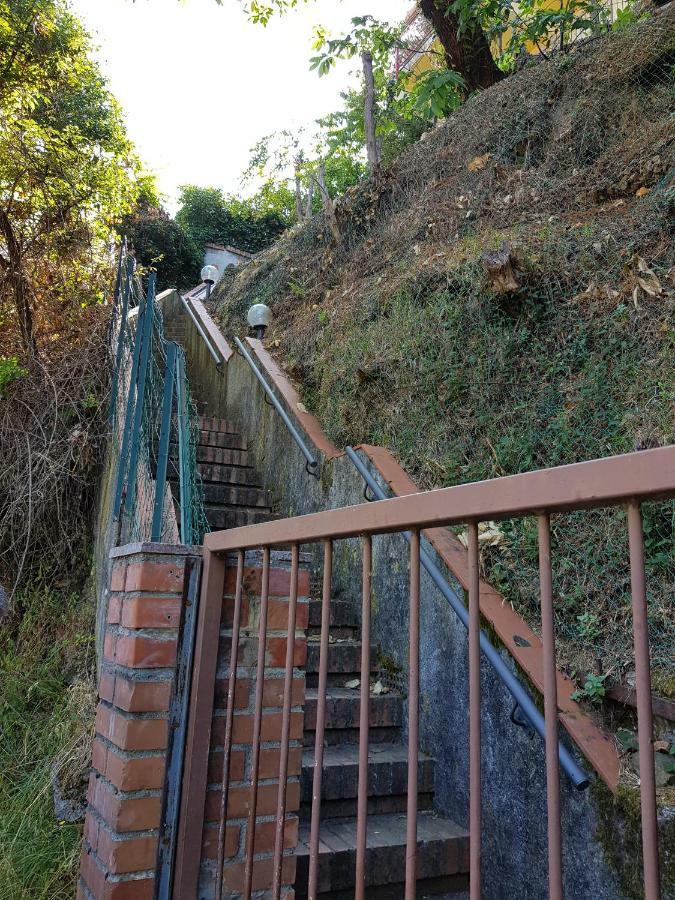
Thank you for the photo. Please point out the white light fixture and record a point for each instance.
(259, 317)
(210, 275)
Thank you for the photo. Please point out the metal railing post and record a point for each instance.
(146, 349)
(120, 339)
(129, 413)
(185, 482)
(164, 436)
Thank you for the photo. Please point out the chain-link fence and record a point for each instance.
(154, 426)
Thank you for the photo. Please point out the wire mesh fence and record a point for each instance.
(158, 493)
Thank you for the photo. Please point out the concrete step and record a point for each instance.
(220, 517)
(387, 780)
(217, 474)
(342, 711)
(344, 657)
(442, 853)
(214, 423)
(236, 495)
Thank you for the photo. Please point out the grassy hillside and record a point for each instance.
(402, 337)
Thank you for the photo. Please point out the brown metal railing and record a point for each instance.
(623, 480)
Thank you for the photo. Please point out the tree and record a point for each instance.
(467, 50)
(66, 168)
(159, 243)
(207, 214)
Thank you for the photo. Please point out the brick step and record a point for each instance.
(220, 517)
(222, 439)
(344, 657)
(342, 710)
(442, 852)
(377, 806)
(216, 474)
(341, 614)
(236, 495)
(222, 456)
(387, 779)
(213, 423)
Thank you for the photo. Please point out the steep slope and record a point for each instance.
(410, 335)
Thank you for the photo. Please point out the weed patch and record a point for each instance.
(46, 718)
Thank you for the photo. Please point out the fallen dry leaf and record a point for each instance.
(379, 688)
(478, 162)
(647, 279)
(489, 535)
(354, 683)
(642, 192)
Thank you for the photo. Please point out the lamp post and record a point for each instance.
(258, 318)
(210, 276)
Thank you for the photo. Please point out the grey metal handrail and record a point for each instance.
(200, 330)
(312, 463)
(579, 778)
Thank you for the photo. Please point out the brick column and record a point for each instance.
(126, 784)
(240, 766)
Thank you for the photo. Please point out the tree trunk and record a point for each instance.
(310, 199)
(372, 146)
(328, 205)
(467, 53)
(299, 211)
(17, 278)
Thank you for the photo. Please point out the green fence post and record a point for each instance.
(164, 436)
(146, 350)
(185, 480)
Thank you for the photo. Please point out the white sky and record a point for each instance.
(200, 85)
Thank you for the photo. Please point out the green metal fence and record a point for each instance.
(154, 426)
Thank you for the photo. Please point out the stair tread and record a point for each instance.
(334, 692)
(348, 755)
(385, 830)
(344, 656)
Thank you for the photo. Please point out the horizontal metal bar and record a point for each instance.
(295, 434)
(578, 777)
(648, 474)
(200, 329)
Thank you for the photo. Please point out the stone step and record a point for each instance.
(442, 852)
(341, 614)
(213, 423)
(220, 517)
(236, 495)
(344, 657)
(387, 780)
(217, 474)
(221, 439)
(342, 710)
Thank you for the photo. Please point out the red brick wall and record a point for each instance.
(240, 767)
(126, 784)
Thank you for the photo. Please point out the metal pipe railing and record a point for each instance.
(312, 463)
(578, 777)
(200, 330)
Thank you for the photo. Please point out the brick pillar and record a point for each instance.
(240, 766)
(126, 784)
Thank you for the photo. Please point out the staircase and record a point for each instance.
(442, 860)
(233, 497)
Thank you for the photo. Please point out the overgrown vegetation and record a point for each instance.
(46, 718)
(68, 173)
(410, 335)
